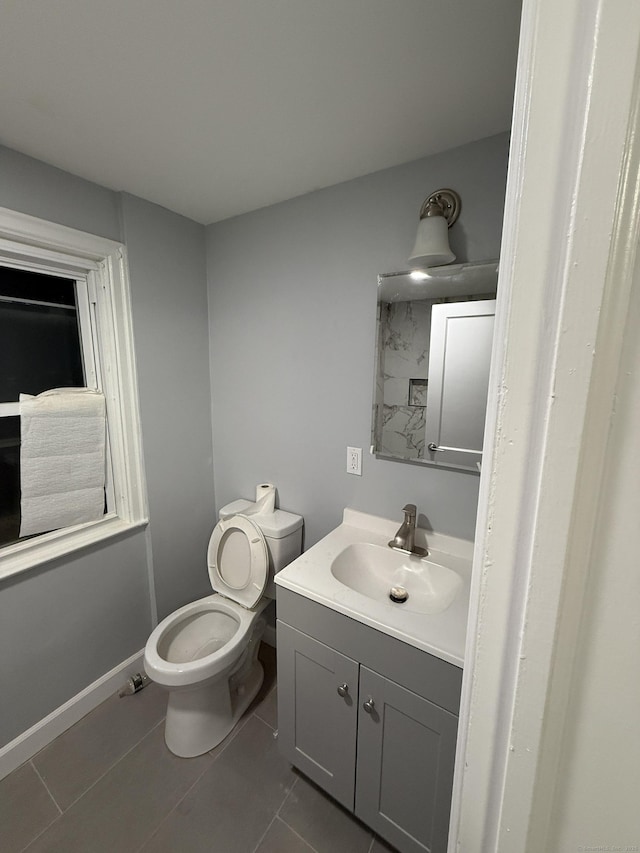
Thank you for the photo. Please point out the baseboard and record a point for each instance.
(27, 744)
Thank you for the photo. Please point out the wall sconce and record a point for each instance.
(437, 215)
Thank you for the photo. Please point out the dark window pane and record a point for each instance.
(9, 480)
(39, 344)
(37, 286)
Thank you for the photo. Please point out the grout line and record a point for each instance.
(262, 837)
(112, 766)
(239, 726)
(286, 796)
(276, 816)
(172, 810)
(49, 825)
(231, 737)
(297, 834)
(264, 722)
(279, 816)
(295, 782)
(45, 785)
(40, 834)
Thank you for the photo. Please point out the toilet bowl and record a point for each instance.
(205, 653)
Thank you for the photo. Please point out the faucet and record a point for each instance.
(404, 540)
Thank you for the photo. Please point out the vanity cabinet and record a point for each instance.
(370, 719)
(318, 711)
(404, 772)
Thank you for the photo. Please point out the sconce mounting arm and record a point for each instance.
(443, 202)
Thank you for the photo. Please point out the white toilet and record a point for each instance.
(205, 653)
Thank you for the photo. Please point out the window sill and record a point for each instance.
(22, 556)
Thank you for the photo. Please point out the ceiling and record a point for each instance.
(212, 108)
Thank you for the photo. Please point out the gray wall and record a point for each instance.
(33, 187)
(167, 266)
(65, 624)
(292, 327)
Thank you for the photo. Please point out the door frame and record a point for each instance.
(570, 234)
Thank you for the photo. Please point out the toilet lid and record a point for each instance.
(238, 560)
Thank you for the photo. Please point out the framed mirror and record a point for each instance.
(433, 352)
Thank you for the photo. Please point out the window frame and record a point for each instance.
(44, 246)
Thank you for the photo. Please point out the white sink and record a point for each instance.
(384, 574)
(352, 569)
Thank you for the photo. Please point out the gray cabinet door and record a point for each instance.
(316, 724)
(406, 749)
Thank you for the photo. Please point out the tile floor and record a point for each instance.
(110, 784)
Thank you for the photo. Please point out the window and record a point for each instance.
(65, 322)
(44, 321)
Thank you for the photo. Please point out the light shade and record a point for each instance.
(438, 213)
(432, 243)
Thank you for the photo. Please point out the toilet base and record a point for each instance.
(199, 719)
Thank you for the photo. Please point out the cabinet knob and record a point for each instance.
(368, 705)
(343, 690)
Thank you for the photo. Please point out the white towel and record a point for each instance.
(62, 459)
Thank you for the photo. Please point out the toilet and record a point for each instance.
(205, 653)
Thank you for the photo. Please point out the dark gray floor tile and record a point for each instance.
(25, 809)
(139, 798)
(323, 824)
(80, 756)
(127, 804)
(234, 802)
(280, 838)
(382, 846)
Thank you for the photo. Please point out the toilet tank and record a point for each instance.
(282, 532)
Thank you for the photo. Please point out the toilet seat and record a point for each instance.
(238, 560)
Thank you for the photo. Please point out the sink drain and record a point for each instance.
(398, 594)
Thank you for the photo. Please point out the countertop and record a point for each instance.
(442, 634)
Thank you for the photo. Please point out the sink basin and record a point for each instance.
(352, 570)
(379, 572)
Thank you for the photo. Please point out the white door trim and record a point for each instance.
(563, 288)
